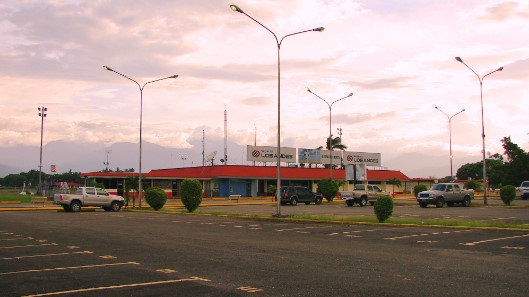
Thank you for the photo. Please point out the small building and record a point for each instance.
(247, 181)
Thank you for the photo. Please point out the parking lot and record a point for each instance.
(99, 253)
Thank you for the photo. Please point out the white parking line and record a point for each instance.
(426, 234)
(23, 246)
(66, 268)
(292, 229)
(191, 279)
(18, 238)
(494, 239)
(46, 255)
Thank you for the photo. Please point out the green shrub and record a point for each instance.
(328, 188)
(271, 189)
(191, 194)
(507, 194)
(473, 185)
(383, 208)
(156, 197)
(419, 188)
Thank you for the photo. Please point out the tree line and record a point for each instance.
(509, 168)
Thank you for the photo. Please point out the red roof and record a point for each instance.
(242, 171)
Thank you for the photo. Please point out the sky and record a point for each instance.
(397, 57)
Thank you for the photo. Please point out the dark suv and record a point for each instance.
(295, 194)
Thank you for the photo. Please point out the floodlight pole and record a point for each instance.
(141, 111)
(278, 42)
(42, 114)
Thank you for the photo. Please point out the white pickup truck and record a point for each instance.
(448, 193)
(361, 194)
(89, 196)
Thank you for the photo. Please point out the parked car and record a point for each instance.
(442, 193)
(362, 194)
(89, 196)
(524, 190)
(295, 194)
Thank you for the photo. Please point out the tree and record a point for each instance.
(517, 165)
(395, 182)
(191, 194)
(328, 188)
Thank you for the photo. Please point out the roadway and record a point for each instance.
(97, 253)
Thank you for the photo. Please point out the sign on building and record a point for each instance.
(326, 157)
(369, 159)
(356, 172)
(53, 168)
(269, 154)
(309, 156)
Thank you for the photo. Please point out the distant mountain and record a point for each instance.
(88, 157)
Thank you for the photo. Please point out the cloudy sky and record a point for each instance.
(397, 57)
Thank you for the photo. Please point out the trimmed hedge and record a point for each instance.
(419, 188)
(156, 197)
(191, 194)
(328, 188)
(383, 208)
(507, 194)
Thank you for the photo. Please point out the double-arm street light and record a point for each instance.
(278, 42)
(141, 112)
(330, 121)
(450, 132)
(480, 78)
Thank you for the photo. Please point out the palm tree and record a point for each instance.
(335, 143)
(395, 182)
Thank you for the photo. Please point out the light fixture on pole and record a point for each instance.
(450, 133)
(278, 42)
(141, 111)
(42, 115)
(329, 140)
(480, 78)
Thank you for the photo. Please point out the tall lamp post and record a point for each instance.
(450, 133)
(480, 78)
(141, 112)
(330, 121)
(42, 115)
(278, 42)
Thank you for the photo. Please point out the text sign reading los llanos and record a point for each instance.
(311, 156)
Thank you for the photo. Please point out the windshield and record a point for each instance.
(359, 187)
(525, 184)
(438, 187)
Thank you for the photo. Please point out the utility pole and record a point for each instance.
(42, 115)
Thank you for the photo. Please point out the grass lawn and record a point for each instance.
(11, 195)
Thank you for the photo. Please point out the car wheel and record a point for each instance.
(318, 201)
(115, 206)
(450, 204)
(466, 201)
(293, 201)
(423, 205)
(75, 206)
(439, 203)
(363, 201)
(350, 202)
(106, 208)
(66, 208)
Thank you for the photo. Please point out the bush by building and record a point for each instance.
(383, 208)
(155, 197)
(191, 194)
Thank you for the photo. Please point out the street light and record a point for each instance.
(485, 183)
(42, 115)
(141, 111)
(278, 42)
(450, 132)
(330, 120)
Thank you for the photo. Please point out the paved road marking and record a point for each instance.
(108, 257)
(250, 289)
(19, 238)
(66, 268)
(513, 247)
(166, 270)
(46, 255)
(494, 239)
(293, 229)
(23, 246)
(122, 286)
(426, 234)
